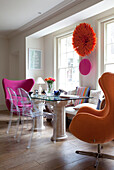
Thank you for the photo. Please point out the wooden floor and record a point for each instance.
(44, 154)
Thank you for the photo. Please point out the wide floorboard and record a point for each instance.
(44, 154)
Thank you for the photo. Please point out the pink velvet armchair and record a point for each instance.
(12, 86)
(26, 84)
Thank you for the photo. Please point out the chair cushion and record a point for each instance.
(71, 110)
(82, 91)
(77, 107)
(96, 94)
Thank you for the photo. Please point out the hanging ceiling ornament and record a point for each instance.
(84, 39)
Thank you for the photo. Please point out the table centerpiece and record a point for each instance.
(50, 82)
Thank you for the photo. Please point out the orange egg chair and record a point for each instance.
(97, 126)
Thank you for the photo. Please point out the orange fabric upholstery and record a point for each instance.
(97, 126)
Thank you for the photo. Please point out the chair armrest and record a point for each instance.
(89, 110)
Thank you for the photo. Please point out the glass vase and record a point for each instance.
(49, 88)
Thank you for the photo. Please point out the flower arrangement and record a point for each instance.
(50, 82)
(84, 39)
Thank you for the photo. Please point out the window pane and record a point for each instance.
(63, 45)
(110, 33)
(72, 78)
(76, 60)
(69, 44)
(110, 53)
(70, 59)
(109, 68)
(70, 62)
(62, 61)
(62, 78)
(68, 65)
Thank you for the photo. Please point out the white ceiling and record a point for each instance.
(77, 17)
(16, 14)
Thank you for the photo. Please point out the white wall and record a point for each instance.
(17, 53)
(34, 43)
(49, 55)
(4, 68)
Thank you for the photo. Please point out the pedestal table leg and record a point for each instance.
(39, 120)
(59, 122)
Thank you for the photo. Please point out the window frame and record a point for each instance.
(57, 42)
(101, 43)
(105, 44)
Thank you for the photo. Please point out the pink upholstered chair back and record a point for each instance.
(26, 84)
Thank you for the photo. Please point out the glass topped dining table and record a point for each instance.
(59, 118)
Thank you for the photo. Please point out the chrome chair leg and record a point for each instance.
(98, 155)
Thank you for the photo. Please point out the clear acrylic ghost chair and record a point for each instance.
(29, 110)
(26, 84)
(14, 109)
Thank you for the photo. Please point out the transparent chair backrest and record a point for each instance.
(25, 98)
(13, 100)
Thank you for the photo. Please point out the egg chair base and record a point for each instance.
(98, 155)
